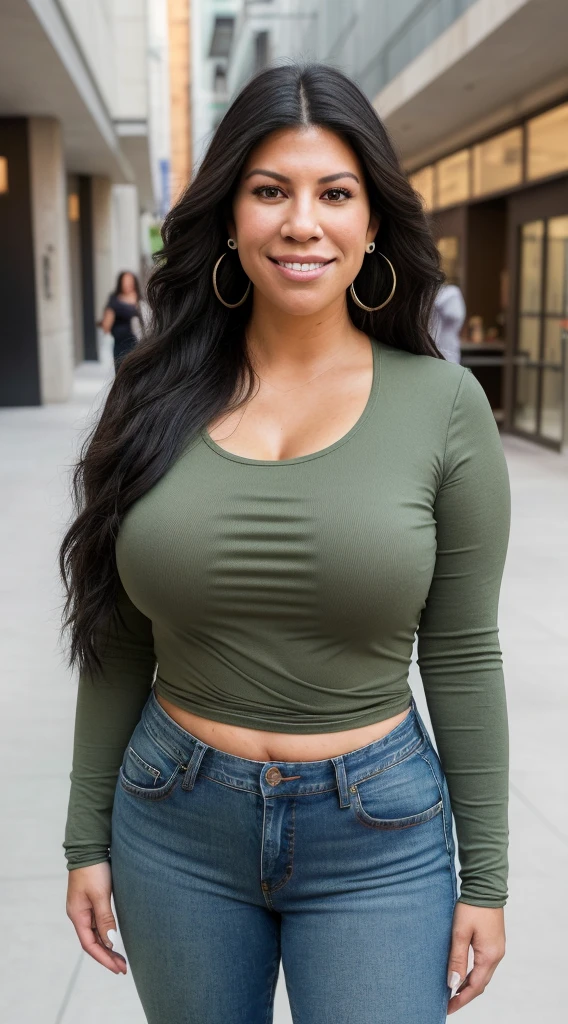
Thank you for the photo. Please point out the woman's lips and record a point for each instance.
(301, 275)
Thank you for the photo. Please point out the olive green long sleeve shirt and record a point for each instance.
(287, 595)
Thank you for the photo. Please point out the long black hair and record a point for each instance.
(193, 359)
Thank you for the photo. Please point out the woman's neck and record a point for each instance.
(283, 341)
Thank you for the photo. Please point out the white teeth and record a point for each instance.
(301, 266)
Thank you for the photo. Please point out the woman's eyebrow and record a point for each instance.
(282, 177)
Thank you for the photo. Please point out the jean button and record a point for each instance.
(274, 776)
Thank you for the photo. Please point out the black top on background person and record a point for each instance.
(122, 307)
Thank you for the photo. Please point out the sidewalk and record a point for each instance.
(45, 976)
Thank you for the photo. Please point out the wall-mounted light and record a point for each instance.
(3, 175)
(73, 209)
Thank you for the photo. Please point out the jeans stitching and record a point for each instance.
(449, 852)
(416, 749)
(389, 824)
(150, 768)
(290, 866)
(149, 793)
(169, 753)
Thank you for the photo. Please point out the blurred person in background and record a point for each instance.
(123, 315)
(287, 482)
(448, 317)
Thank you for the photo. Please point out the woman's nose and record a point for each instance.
(301, 222)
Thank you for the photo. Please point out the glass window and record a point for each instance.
(449, 252)
(531, 267)
(547, 143)
(453, 179)
(423, 182)
(553, 333)
(528, 342)
(498, 163)
(557, 267)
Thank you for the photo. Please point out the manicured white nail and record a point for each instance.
(112, 936)
(454, 980)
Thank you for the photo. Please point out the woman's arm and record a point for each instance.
(108, 319)
(461, 665)
(107, 711)
(459, 654)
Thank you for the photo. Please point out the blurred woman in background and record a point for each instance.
(122, 308)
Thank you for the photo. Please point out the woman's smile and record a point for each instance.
(301, 268)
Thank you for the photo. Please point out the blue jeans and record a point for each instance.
(343, 868)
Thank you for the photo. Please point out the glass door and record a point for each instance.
(541, 321)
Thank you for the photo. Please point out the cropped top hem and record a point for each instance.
(283, 722)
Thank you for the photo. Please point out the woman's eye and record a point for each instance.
(336, 193)
(273, 192)
(262, 189)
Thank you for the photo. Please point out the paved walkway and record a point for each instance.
(45, 977)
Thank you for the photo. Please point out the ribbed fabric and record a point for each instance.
(286, 596)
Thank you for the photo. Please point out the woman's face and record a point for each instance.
(302, 199)
(127, 284)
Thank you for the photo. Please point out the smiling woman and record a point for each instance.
(287, 483)
(270, 220)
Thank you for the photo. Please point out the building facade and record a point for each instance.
(84, 165)
(475, 96)
(214, 25)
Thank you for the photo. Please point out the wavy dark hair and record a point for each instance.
(193, 359)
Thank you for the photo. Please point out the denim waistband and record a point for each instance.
(283, 778)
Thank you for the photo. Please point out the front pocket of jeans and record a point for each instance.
(147, 769)
(401, 796)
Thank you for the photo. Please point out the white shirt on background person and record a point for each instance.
(447, 321)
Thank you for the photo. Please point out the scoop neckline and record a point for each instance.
(373, 393)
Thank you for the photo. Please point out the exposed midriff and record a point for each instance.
(258, 745)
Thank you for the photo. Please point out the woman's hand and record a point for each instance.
(484, 929)
(107, 322)
(88, 907)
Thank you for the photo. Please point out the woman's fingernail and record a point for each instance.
(111, 936)
(453, 980)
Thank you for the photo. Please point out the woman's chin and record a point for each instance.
(300, 305)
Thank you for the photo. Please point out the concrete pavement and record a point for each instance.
(45, 976)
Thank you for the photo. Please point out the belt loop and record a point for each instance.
(193, 766)
(340, 774)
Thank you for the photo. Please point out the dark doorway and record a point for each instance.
(19, 357)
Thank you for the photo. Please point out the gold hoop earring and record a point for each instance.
(229, 305)
(373, 309)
